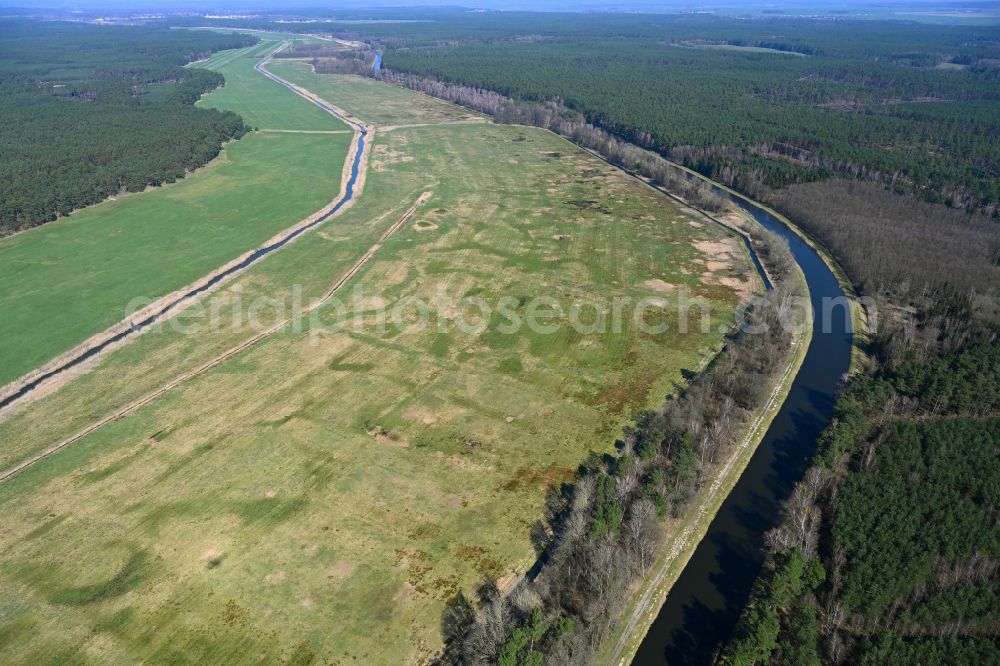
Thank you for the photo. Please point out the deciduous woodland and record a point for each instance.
(354, 483)
(605, 530)
(900, 153)
(888, 548)
(897, 247)
(888, 552)
(93, 111)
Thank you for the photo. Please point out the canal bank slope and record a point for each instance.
(710, 576)
(652, 591)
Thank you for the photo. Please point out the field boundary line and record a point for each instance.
(295, 131)
(682, 546)
(641, 611)
(226, 355)
(53, 374)
(470, 121)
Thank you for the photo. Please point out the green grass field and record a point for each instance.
(395, 106)
(261, 102)
(318, 498)
(738, 48)
(67, 280)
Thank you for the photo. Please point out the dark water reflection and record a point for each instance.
(705, 603)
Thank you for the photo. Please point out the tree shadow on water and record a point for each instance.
(695, 642)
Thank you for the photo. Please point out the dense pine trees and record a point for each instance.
(899, 513)
(859, 105)
(90, 111)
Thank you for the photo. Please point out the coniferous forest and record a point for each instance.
(91, 111)
(888, 551)
(880, 138)
(758, 103)
(881, 141)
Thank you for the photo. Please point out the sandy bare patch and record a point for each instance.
(383, 436)
(733, 217)
(308, 603)
(270, 494)
(506, 582)
(275, 577)
(719, 255)
(212, 557)
(716, 249)
(656, 284)
(744, 288)
(397, 274)
(416, 414)
(372, 303)
(383, 156)
(715, 264)
(340, 570)
(407, 591)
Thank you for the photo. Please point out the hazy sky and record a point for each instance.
(791, 7)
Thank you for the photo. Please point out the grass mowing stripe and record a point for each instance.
(66, 280)
(349, 483)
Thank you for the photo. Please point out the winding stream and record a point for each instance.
(705, 602)
(147, 321)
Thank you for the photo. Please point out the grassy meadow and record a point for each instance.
(261, 102)
(319, 498)
(373, 101)
(67, 280)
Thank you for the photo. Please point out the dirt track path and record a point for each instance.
(229, 353)
(682, 545)
(359, 162)
(57, 371)
(469, 121)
